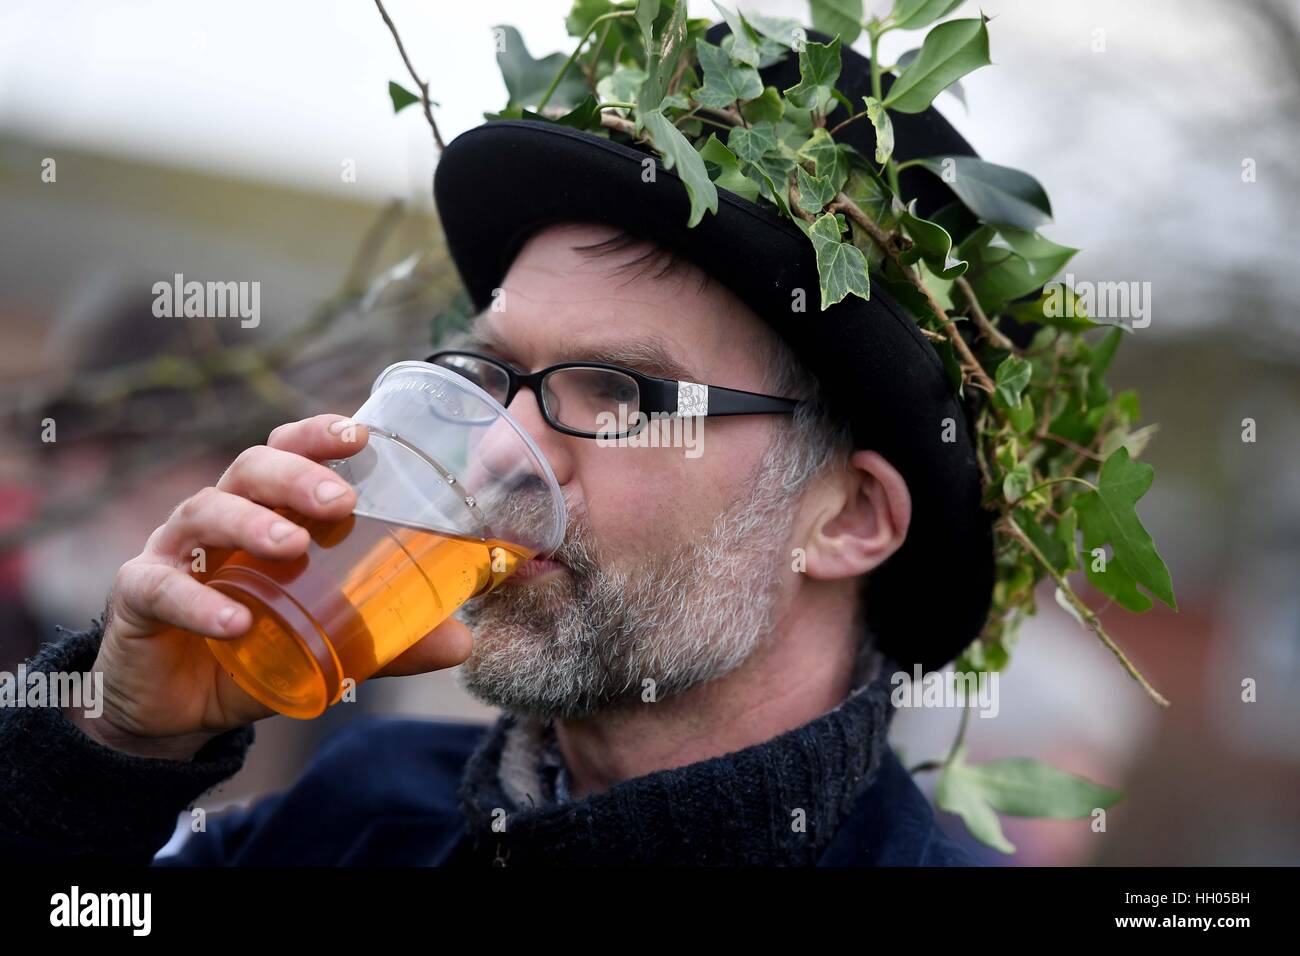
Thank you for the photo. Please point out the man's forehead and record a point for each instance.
(646, 352)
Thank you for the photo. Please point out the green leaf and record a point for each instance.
(1010, 263)
(915, 14)
(879, 118)
(1108, 516)
(999, 195)
(842, 17)
(830, 159)
(724, 82)
(1024, 787)
(1016, 483)
(621, 86)
(841, 266)
(744, 48)
(527, 79)
(661, 61)
(814, 191)
(1051, 308)
(819, 68)
(677, 152)
(586, 115)
(644, 15)
(767, 108)
(932, 243)
(961, 792)
(954, 88)
(950, 51)
(401, 96)
(750, 144)
(783, 30)
(1012, 376)
(730, 177)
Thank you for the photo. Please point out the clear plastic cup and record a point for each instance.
(452, 497)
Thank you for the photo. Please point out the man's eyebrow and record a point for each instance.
(650, 356)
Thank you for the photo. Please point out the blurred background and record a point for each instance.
(140, 140)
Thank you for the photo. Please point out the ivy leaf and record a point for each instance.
(744, 48)
(950, 51)
(527, 79)
(819, 68)
(750, 144)
(879, 118)
(1012, 376)
(661, 62)
(767, 108)
(401, 96)
(644, 15)
(841, 267)
(1059, 307)
(1108, 515)
(830, 159)
(814, 191)
(842, 17)
(621, 86)
(915, 14)
(724, 82)
(731, 177)
(999, 195)
(677, 152)
(1023, 787)
(959, 791)
(586, 115)
(782, 30)
(932, 243)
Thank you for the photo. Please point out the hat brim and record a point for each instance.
(499, 183)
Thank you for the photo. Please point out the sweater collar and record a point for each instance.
(775, 803)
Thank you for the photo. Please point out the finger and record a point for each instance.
(219, 520)
(445, 646)
(278, 478)
(145, 594)
(312, 437)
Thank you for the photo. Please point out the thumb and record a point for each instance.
(445, 646)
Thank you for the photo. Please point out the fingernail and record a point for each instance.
(328, 491)
(281, 530)
(342, 423)
(224, 617)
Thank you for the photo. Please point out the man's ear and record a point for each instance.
(859, 518)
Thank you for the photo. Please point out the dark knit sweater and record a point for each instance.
(388, 791)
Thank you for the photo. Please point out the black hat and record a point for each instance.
(499, 183)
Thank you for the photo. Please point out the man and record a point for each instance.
(692, 680)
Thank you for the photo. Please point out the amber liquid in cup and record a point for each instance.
(363, 592)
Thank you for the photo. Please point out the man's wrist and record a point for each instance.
(103, 731)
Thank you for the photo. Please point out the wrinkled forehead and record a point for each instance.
(579, 291)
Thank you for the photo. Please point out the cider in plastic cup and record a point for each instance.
(452, 497)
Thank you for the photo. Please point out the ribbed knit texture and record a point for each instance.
(69, 797)
(740, 809)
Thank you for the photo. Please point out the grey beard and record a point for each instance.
(598, 638)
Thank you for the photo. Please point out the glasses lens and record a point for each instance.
(488, 376)
(591, 400)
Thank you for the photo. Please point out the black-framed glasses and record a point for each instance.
(596, 399)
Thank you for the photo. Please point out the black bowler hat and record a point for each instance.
(498, 183)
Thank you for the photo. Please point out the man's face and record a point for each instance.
(672, 564)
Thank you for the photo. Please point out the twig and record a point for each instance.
(996, 338)
(1085, 613)
(424, 87)
(978, 377)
